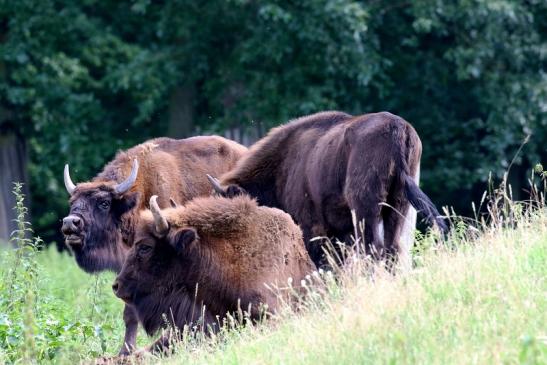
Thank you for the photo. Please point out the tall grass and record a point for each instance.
(17, 323)
(477, 297)
(480, 297)
(482, 304)
(45, 311)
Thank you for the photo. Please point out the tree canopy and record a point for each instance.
(79, 80)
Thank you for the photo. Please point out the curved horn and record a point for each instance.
(161, 222)
(128, 183)
(173, 203)
(69, 185)
(216, 184)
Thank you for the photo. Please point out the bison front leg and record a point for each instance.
(162, 345)
(131, 326)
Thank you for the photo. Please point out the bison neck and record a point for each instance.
(127, 226)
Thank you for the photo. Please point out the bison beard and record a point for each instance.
(321, 167)
(104, 212)
(172, 304)
(192, 265)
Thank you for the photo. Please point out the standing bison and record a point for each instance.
(192, 265)
(321, 167)
(100, 228)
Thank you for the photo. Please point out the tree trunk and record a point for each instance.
(181, 112)
(13, 163)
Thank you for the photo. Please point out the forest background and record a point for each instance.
(80, 80)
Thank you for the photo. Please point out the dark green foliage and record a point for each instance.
(69, 89)
(82, 79)
(472, 80)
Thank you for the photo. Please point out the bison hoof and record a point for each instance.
(129, 359)
(105, 360)
(124, 352)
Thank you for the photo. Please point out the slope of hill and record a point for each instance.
(482, 301)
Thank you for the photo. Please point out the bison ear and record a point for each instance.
(184, 238)
(125, 203)
(234, 190)
(231, 191)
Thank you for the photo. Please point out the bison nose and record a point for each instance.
(71, 224)
(121, 291)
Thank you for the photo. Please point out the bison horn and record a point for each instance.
(161, 222)
(216, 184)
(128, 183)
(173, 203)
(69, 185)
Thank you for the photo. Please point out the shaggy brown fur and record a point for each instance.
(320, 167)
(106, 220)
(216, 258)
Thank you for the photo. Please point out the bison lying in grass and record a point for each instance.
(100, 228)
(192, 265)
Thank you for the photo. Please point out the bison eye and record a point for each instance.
(144, 249)
(105, 204)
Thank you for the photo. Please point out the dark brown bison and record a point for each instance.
(193, 264)
(100, 228)
(320, 167)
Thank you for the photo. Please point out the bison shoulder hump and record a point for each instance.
(217, 215)
(281, 223)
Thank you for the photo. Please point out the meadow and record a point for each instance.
(479, 298)
(81, 81)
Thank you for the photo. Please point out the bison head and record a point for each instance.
(94, 229)
(155, 270)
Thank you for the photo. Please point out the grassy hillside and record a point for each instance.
(479, 302)
(483, 303)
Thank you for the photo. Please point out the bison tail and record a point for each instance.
(423, 204)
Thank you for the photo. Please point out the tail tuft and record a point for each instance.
(423, 204)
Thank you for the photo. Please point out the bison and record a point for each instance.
(100, 227)
(320, 167)
(194, 264)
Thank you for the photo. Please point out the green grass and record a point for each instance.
(49, 309)
(75, 314)
(481, 301)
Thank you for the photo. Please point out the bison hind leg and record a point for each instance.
(399, 221)
(370, 229)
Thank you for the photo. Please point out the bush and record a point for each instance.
(37, 323)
